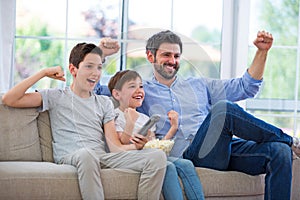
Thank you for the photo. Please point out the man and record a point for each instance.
(209, 120)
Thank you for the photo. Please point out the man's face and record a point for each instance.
(167, 60)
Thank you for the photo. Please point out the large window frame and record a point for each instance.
(234, 52)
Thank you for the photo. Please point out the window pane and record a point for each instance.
(199, 20)
(280, 73)
(149, 14)
(31, 15)
(32, 54)
(93, 18)
(280, 17)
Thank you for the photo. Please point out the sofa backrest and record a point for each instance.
(25, 135)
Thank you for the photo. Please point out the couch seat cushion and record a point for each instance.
(46, 180)
(230, 183)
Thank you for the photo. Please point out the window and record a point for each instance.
(47, 30)
(278, 101)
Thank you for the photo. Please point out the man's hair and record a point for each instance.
(79, 52)
(117, 81)
(157, 39)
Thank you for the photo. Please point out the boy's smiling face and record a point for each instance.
(131, 94)
(87, 74)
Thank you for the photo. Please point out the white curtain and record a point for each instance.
(7, 31)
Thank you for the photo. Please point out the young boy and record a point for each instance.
(83, 126)
(127, 88)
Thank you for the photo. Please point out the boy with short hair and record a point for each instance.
(127, 88)
(83, 126)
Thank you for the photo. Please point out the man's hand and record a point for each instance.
(55, 73)
(263, 41)
(109, 46)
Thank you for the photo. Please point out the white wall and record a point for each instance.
(7, 30)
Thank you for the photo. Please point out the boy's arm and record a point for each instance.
(113, 141)
(173, 116)
(16, 97)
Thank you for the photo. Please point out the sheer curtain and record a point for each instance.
(7, 30)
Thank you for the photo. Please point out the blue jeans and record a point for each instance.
(188, 175)
(261, 148)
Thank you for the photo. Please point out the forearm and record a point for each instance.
(172, 131)
(15, 94)
(257, 67)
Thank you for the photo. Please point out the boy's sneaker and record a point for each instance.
(296, 146)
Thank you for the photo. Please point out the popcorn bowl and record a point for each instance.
(158, 143)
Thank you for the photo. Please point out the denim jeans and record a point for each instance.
(260, 148)
(188, 175)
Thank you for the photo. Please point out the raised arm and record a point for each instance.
(263, 42)
(109, 47)
(173, 117)
(17, 96)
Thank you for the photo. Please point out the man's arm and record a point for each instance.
(263, 42)
(17, 96)
(109, 47)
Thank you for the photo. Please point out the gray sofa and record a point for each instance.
(27, 170)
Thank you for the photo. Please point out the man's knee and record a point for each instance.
(281, 151)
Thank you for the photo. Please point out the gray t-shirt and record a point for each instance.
(76, 122)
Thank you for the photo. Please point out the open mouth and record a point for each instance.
(91, 80)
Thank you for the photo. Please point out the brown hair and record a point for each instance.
(79, 52)
(121, 77)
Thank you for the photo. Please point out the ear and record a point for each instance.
(150, 56)
(116, 94)
(73, 70)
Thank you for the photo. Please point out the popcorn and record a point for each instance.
(165, 145)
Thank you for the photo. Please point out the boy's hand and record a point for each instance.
(173, 117)
(131, 115)
(109, 46)
(139, 141)
(55, 73)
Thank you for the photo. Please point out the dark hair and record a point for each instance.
(79, 52)
(121, 77)
(157, 39)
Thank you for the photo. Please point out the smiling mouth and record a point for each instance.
(91, 80)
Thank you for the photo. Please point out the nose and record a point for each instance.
(172, 59)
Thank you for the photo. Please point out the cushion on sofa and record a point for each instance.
(45, 134)
(19, 139)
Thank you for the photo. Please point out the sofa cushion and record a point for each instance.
(19, 139)
(38, 180)
(45, 134)
(230, 183)
(45, 180)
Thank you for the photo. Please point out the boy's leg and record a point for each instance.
(88, 169)
(189, 177)
(171, 187)
(150, 163)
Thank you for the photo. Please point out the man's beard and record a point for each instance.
(160, 70)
